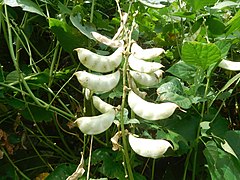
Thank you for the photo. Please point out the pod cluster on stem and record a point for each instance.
(147, 74)
(104, 77)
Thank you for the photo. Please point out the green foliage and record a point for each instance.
(40, 98)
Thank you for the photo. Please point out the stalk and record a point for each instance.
(198, 131)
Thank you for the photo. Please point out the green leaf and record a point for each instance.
(76, 21)
(199, 4)
(26, 5)
(232, 137)
(183, 71)
(224, 4)
(215, 25)
(110, 165)
(69, 37)
(172, 91)
(200, 54)
(233, 24)
(62, 172)
(38, 114)
(224, 47)
(221, 164)
(8, 172)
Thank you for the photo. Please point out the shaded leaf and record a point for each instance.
(61, 172)
(221, 164)
(232, 137)
(38, 114)
(76, 21)
(26, 5)
(69, 37)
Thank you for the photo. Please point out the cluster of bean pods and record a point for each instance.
(141, 72)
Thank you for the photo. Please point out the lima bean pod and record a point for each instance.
(151, 148)
(147, 79)
(100, 63)
(148, 110)
(145, 54)
(100, 105)
(98, 83)
(96, 124)
(143, 66)
(105, 40)
(229, 65)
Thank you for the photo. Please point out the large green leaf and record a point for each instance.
(62, 171)
(26, 5)
(221, 164)
(69, 37)
(200, 54)
(183, 71)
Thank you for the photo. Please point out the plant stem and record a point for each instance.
(92, 11)
(89, 157)
(153, 169)
(199, 130)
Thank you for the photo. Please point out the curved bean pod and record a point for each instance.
(105, 40)
(100, 105)
(100, 63)
(229, 65)
(145, 79)
(98, 83)
(96, 124)
(143, 66)
(144, 54)
(152, 148)
(148, 110)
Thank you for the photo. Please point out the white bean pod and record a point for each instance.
(148, 110)
(143, 66)
(96, 124)
(100, 105)
(105, 40)
(145, 79)
(100, 63)
(145, 54)
(229, 65)
(151, 148)
(98, 83)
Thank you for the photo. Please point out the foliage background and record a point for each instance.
(39, 100)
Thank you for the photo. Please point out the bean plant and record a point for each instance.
(117, 89)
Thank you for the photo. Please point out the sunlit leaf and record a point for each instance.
(200, 54)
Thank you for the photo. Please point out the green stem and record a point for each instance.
(89, 157)
(92, 11)
(153, 169)
(199, 130)
(44, 104)
(125, 145)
